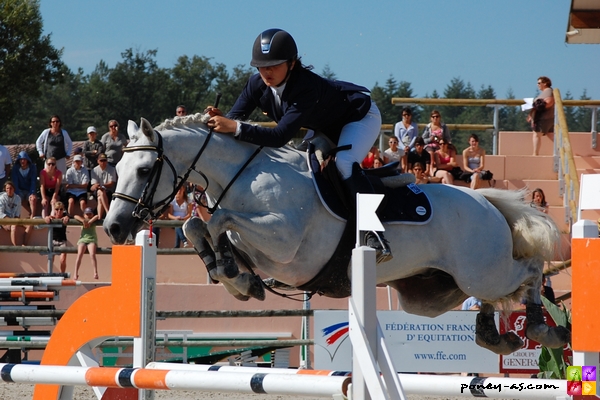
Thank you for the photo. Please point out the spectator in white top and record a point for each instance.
(10, 207)
(76, 183)
(104, 180)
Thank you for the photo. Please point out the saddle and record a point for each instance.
(404, 202)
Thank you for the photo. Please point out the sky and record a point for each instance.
(504, 44)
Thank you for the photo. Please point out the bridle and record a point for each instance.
(145, 208)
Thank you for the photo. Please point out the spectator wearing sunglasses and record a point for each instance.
(55, 142)
(393, 153)
(50, 182)
(113, 142)
(59, 234)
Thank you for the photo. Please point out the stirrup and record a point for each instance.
(376, 241)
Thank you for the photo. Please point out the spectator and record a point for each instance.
(50, 183)
(55, 142)
(10, 207)
(378, 163)
(59, 234)
(92, 149)
(474, 162)
(104, 180)
(538, 200)
(180, 111)
(547, 291)
(418, 169)
(200, 204)
(87, 239)
(5, 164)
(419, 155)
(393, 153)
(24, 177)
(470, 304)
(367, 162)
(445, 162)
(541, 116)
(406, 132)
(76, 184)
(180, 210)
(113, 142)
(434, 132)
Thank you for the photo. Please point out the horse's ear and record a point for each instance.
(132, 130)
(147, 129)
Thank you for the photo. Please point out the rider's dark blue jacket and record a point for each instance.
(308, 101)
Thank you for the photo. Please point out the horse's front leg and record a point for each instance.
(551, 337)
(220, 262)
(487, 336)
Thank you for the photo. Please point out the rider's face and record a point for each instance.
(274, 75)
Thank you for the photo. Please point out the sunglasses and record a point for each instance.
(101, 160)
(51, 163)
(113, 126)
(406, 115)
(435, 116)
(59, 209)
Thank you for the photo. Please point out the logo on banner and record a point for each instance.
(334, 336)
(581, 381)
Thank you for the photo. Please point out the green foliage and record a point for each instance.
(27, 58)
(552, 362)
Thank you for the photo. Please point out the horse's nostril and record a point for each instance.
(114, 230)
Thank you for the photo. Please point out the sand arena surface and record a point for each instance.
(20, 391)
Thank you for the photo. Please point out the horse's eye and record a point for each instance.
(143, 171)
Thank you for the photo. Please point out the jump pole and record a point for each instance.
(125, 308)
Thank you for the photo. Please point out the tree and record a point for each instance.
(390, 113)
(27, 58)
(327, 73)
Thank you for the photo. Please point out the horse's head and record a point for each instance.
(140, 193)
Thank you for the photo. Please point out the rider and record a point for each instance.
(292, 95)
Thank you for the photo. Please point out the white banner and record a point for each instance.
(417, 344)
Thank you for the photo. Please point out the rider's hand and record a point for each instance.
(212, 111)
(222, 124)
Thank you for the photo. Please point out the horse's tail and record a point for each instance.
(534, 233)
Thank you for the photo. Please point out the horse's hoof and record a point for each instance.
(507, 343)
(241, 297)
(551, 337)
(228, 267)
(256, 288)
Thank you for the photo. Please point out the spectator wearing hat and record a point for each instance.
(10, 207)
(104, 180)
(5, 164)
(76, 183)
(92, 149)
(24, 177)
(88, 239)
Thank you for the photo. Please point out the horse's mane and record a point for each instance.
(186, 120)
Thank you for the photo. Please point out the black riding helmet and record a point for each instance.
(273, 47)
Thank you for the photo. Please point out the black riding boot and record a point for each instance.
(359, 183)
